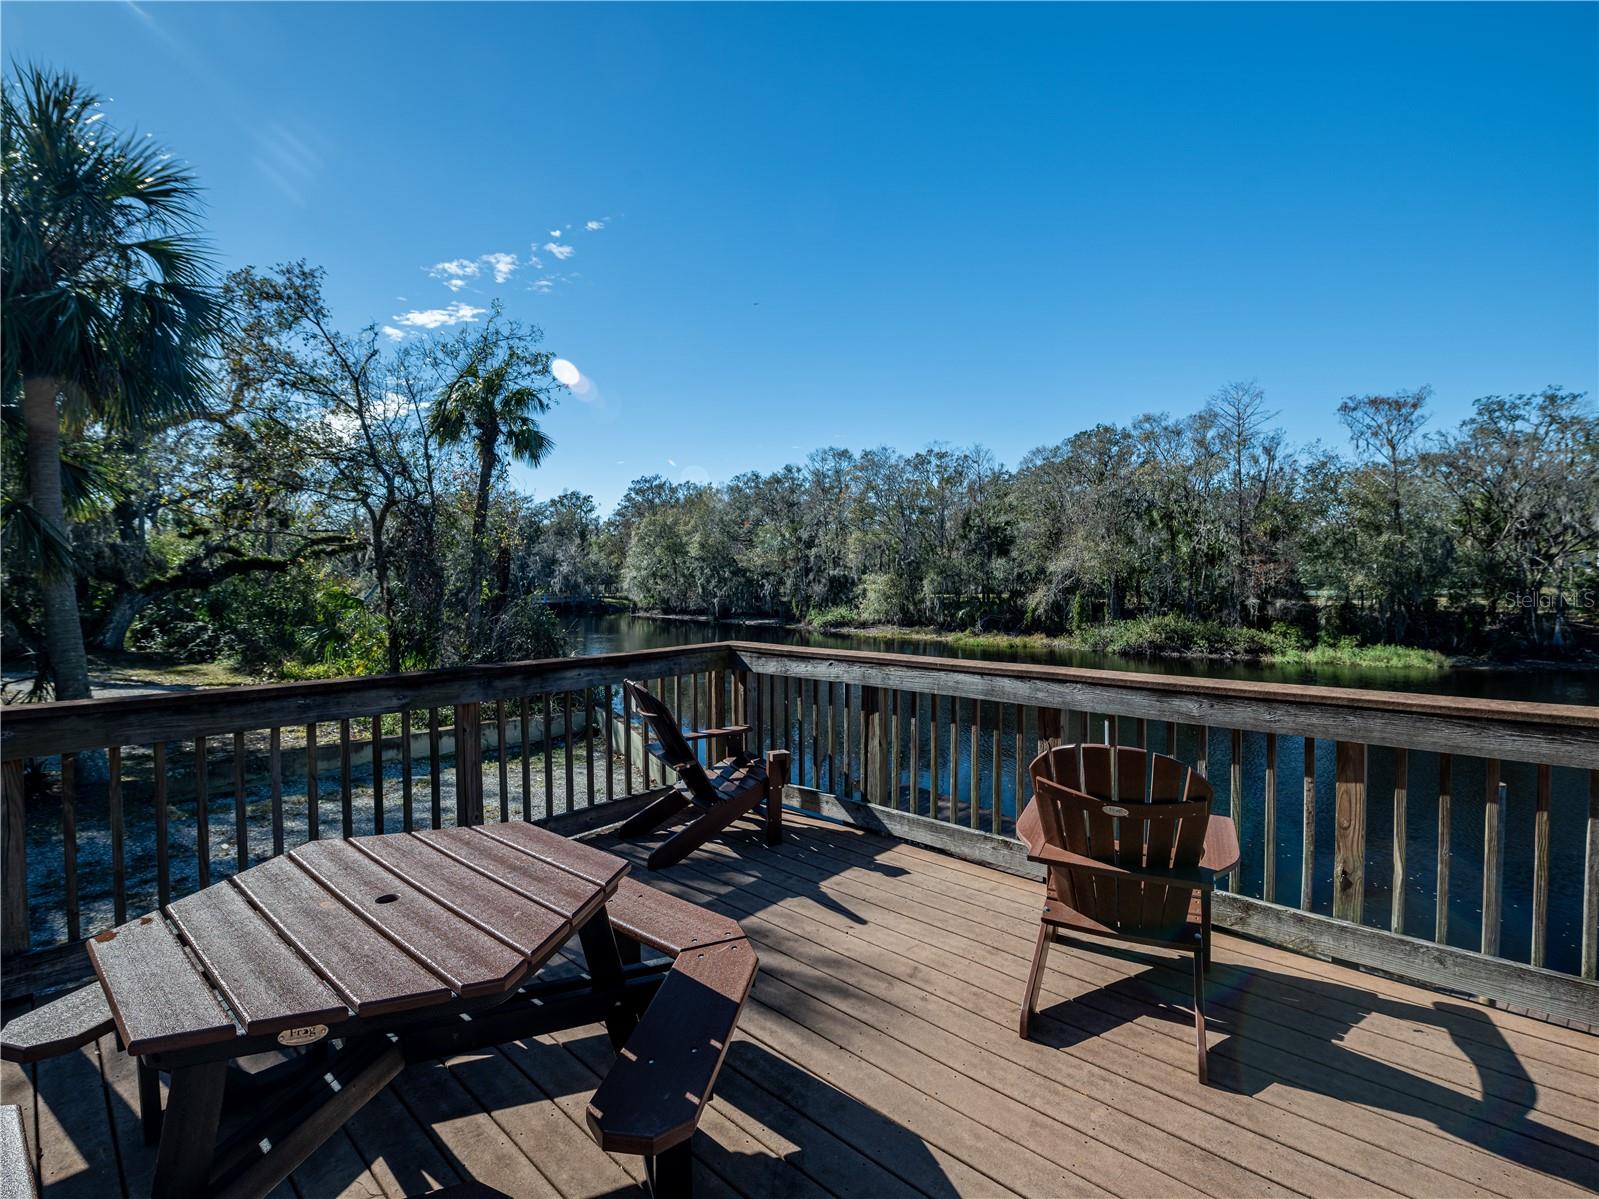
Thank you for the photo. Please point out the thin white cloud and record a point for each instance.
(504, 265)
(543, 285)
(561, 251)
(455, 273)
(596, 226)
(394, 334)
(555, 233)
(434, 318)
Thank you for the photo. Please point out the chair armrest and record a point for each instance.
(1199, 877)
(732, 730)
(1221, 845)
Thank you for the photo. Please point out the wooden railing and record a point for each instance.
(1453, 791)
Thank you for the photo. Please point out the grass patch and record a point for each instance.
(1180, 637)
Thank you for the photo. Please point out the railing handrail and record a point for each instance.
(44, 729)
(1557, 734)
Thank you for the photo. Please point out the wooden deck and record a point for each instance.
(878, 1056)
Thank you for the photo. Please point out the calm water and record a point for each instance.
(1568, 804)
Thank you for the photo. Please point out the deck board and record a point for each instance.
(878, 1056)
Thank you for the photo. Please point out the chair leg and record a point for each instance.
(689, 838)
(1204, 927)
(671, 1174)
(652, 816)
(1199, 1017)
(1035, 977)
(776, 783)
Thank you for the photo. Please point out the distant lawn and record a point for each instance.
(1179, 637)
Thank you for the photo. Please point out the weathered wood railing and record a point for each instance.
(935, 750)
(930, 749)
(101, 797)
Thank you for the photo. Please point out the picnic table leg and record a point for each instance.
(605, 969)
(150, 1102)
(671, 1174)
(189, 1131)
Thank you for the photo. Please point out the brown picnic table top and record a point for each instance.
(336, 929)
(392, 948)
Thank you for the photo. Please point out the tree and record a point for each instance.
(108, 309)
(1399, 548)
(501, 386)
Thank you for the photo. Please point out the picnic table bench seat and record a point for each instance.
(66, 1023)
(650, 1100)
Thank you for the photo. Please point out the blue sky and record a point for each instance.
(899, 224)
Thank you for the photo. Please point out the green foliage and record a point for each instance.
(837, 616)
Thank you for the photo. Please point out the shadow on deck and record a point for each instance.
(878, 1056)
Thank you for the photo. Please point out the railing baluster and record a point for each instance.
(1396, 918)
(69, 842)
(1540, 868)
(377, 772)
(407, 788)
(1202, 754)
(163, 865)
(1019, 715)
(504, 772)
(1349, 834)
(916, 753)
(202, 815)
(897, 719)
(627, 742)
(1493, 854)
(119, 879)
(1307, 853)
(588, 746)
(1590, 883)
(14, 923)
(468, 764)
(610, 745)
(1441, 919)
(1235, 797)
(435, 770)
(1268, 879)
(997, 789)
(847, 746)
(801, 703)
(275, 772)
(955, 758)
(816, 737)
(346, 797)
(549, 756)
(934, 802)
(974, 791)
(566, 720)
(241, 824)
(525, 748)
(831, 737)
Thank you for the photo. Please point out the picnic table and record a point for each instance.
(365, 954)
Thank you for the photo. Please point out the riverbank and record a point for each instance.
(1138, 637)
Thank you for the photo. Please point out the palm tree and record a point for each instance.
(493, 402)
(107, 307)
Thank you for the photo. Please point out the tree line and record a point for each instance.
(215, 468)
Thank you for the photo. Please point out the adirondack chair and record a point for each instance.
(1132, 850)
(719, 794)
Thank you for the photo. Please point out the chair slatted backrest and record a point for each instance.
(670, 746)
(1128, 808)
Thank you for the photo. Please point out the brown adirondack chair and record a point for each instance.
(719, 794)
(1132, 851)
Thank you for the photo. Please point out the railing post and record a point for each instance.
(468, 765)
(14, 912)
(1349, 837)
(1493, 857)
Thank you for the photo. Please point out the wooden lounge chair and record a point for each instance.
(719, 794)
(1132, 852)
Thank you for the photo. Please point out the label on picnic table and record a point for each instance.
(303, 1036)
